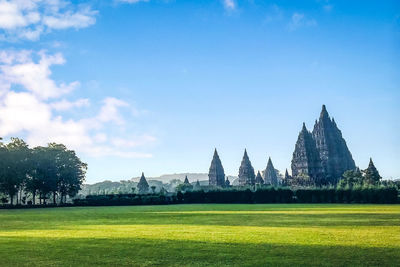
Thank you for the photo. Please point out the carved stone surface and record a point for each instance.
(259, 179)
(322, 155)
(186, 180)
(333, 151)
(270, 176)
(216, 174)
(143, 186)
(246, 171)
(287, 179)
(306, 160)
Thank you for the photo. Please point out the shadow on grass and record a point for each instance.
(54, 220)
(144, 252)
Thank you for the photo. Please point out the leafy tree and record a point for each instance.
(371, 174)
(184, 187)
(351, 178)
(15, 167)
(70, 171)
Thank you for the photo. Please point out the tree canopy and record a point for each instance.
(26, 173)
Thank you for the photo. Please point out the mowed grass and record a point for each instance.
(202, 235)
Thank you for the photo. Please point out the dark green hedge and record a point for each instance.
(265, 195)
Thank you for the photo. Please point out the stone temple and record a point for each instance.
(246, 171)
(270, 174)
(216, 174)
(323, 155)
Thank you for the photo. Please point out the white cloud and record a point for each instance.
(31, 113)
(299, 20)
(81, 19)
(109, 111)
(66, 105)
(229, 4)
(28, 19)
(132, 1)
(18, 68)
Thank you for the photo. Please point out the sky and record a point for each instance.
(154, 86)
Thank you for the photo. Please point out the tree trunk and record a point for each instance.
(11, 199)
(33, 197)
(54, 198)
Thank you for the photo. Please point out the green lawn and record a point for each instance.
(202, 235)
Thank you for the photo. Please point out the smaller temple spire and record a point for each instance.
(227, 182)
(143, 186)
(186, 180)
(246, 171)
(259, 179)
(216, 174)
(286, 174)
(270, 176)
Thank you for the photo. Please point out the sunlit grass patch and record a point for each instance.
(202, 235)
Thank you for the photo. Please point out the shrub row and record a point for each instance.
(266, 195)
(125, 199)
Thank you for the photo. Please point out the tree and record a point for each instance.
(56, 170)
(143, 186)
(45, 172)
(351, 178)
(70, 171)
(186, 186)
(15, 167)
(371, 174)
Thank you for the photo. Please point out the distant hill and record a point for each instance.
(165, 178)
(167, 181)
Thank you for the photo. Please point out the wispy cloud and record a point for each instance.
(299, 20)
(29, 19)
(131, 1)
(275, 13)
(31, 110)
(229, 4)
(64, 104)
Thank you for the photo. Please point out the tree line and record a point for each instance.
(43, 172)
(388, 195)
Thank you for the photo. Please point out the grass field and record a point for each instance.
(202, 235)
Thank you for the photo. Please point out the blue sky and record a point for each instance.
(154, 86)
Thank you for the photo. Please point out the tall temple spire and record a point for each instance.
(246, 171)
(270, 176)
(216, 174)
(306, 160)
(334, 153)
